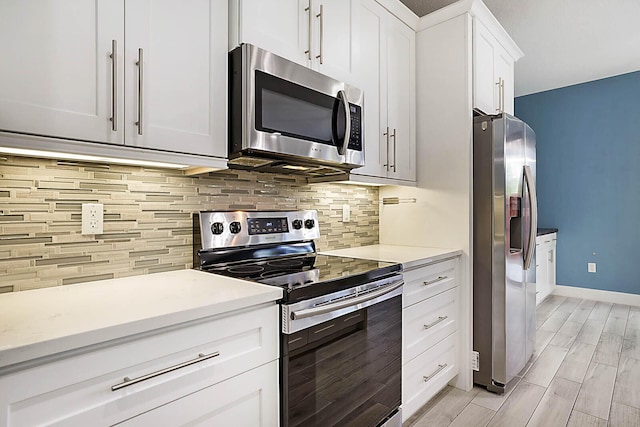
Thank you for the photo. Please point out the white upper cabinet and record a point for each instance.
(493, 78)
(401, 47)
(176, 98)
(384, 67)
(58, 78)
(313, 33)
(68, 70)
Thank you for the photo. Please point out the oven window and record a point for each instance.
(346, 371)
(297, 111)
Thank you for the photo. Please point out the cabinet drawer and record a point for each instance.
(425, 282)
(249, 399)
(77, 390)
(427, 374)
(428, 322)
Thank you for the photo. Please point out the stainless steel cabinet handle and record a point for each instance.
(308, 51)
(347, 302)
(131, 381)
(387, 135)
(114, 85)
(140, 65)
(436, 372)
(321, 16)
(393, 135)
(500, 85)
(440, 320)
(436, 280)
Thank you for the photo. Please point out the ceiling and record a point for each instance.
(564, 42)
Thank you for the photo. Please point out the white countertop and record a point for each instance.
(47, 321)
(409, 256)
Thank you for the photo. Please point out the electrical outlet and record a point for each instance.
(92, 218)
(475, 360)
(591, 267)
(346, 213)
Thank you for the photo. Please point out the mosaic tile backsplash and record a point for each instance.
(147, 217)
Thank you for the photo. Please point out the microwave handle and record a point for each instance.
(347, 129)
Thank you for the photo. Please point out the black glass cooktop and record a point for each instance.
(310, 275)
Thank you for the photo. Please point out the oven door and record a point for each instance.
(346, 370)
(293, 111)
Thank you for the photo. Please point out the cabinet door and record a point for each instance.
(57, 75)
(401, 100)
(504, 87)
(370, 73)
(177, 100)
(249, 399)
(281, 27)
(484, 87)
(330, 39)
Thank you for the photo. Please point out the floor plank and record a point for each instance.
(596, 392)
(608, 349)
(555, 407)
(615, 325)
(544, 369)
(569, 305)
(627, 389)
(590, 332)
(600, 311)
(567, 334)
(517, 410)
(490, 400)
(581, 313)
(575, 364)
(620, 311)
(579, 419)
(473, 415)
(555, 321)
(543, 338)
(445, 409)
(633, 322)
(623, 416)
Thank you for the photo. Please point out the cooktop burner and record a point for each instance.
(304, 277)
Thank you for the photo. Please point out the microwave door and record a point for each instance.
(341, 125)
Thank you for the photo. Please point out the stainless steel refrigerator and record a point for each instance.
(504, 241)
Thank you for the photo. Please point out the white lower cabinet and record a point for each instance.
(545, 265)
(180, 366)
(245, 400)
(429, 332)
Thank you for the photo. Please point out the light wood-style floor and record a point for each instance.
(585, 371)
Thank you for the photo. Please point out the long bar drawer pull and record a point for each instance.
(436, 280)
(129, 381)
(440, 319)
(436, 372)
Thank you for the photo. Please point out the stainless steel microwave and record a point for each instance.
(288, 118)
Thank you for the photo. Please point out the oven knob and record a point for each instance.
(297, 224)
(235, 227)
(309, 223)
(217, 228)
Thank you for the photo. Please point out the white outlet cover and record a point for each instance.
(346, 213)
(92, 218)
(591, 267)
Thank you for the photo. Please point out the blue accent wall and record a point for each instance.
(588, 178)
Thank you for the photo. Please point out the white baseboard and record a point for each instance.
(598, 295)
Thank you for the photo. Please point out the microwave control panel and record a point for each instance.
(355, 139)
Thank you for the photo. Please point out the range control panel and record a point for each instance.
(221, 229)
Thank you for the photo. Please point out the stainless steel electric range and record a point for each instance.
(341, 338)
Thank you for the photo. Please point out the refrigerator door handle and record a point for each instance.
(533, 226)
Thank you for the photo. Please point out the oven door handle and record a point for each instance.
(347, 302)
